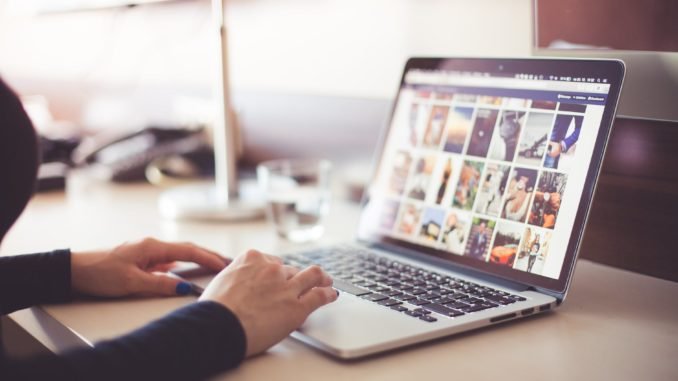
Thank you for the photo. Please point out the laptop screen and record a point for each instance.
(490, 165)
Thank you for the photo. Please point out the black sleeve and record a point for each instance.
(192, 343)
(27, 280)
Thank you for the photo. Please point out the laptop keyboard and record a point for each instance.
(404, 288)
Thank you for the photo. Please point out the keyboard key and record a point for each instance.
(505, 301)
(429, 296)
(442, 300)
(375, 297)
(349, 288)
(476, 308)
(413, 313)
(379, 288)
(455, 305)
(457, 296)
(417, 291)
(422, 311)
(439, 308)
(366, 284)
(428, 318)
(399, 308)
(404, 297)
(419, 302)
(389, 302)
(467, 300)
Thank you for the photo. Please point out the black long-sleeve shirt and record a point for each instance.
(192, 343)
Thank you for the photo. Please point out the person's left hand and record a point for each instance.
(133, 268)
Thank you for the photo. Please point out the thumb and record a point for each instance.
(160, 284)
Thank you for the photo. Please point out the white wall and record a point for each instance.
(358, 47)
(352, 48)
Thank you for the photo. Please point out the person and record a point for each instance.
(253, 302)
(479, 242)
(447, 173)
(453, 236)
(534, 252)
(517, 201)
(509, 129)
(545, 209)
(468, 183)
(435, 127)
(420, 180)
(559, 141)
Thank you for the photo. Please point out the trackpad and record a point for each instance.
(351, 323)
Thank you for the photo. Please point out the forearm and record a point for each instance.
(26, 280)
(570, 140)
(192, 343)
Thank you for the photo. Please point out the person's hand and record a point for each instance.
(133, 268)
(554, 149)
(270, 299)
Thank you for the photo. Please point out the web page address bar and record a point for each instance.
(443, 79)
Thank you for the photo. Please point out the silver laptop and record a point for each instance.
(477, 205)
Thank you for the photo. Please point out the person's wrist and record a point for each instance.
(76, 272)
(217, 304)
(80, 277)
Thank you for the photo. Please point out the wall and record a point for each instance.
(347, 48)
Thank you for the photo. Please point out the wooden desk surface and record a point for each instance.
(614, 324)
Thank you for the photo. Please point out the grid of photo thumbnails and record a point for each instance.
(481, 176)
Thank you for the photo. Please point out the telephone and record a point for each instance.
(124, 159)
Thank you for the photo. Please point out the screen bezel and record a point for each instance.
(612, 70)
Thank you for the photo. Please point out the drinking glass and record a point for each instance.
(297, 193)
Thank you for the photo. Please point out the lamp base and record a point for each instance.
(200, 202)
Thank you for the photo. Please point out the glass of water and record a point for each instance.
(297, 193)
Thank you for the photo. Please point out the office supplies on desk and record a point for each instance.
(124, 159)
(460, 228)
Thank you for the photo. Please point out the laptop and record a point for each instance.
(478, 202)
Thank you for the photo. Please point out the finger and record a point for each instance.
(309, 278)
(227, 261)
(163, 252)
(290, 271)
(159, 284)
(161, 267)
(317, 298)
(273, 258)
(256, 255)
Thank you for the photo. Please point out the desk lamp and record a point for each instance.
(224, 199)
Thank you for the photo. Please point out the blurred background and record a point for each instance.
(325, 71)
(316, 67)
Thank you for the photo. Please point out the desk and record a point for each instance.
(615, 325)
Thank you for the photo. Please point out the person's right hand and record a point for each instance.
(270, 299)
(555, 149)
